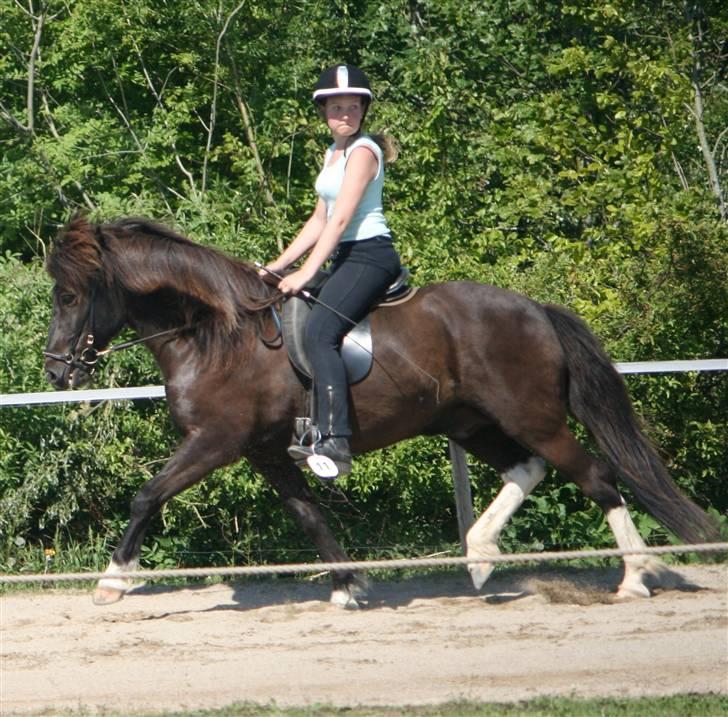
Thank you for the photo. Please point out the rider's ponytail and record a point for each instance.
(388, 144)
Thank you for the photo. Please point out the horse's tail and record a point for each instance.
(598, 397)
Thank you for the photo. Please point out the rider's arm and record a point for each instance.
(361, 168)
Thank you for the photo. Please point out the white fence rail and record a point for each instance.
(138, 392)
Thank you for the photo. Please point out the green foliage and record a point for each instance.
(549, 147)
(707, 705)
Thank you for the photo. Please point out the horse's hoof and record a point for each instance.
(636, 591)
(480, 572)
(344, 599)
(107, 596)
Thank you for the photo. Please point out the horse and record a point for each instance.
(491, 369)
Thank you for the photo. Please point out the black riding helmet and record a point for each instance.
(342, 80)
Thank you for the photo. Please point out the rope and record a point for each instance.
(400, 564)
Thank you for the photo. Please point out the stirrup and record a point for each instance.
(306, 456)
(309, 454)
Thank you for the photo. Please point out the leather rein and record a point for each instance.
(87, 358)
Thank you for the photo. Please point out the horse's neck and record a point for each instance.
(158, 338)
(176, 357)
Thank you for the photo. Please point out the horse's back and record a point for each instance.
(467, 329)
(460, 308)
(457, 357)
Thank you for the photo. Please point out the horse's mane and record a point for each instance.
(220, 298)
(75, 258)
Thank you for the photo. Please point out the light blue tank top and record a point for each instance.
(368, 220)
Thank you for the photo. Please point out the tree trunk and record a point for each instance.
(698, 110)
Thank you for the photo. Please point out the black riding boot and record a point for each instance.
(333, 421)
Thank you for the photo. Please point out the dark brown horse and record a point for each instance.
(491, 369)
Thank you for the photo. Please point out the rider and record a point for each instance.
(348, 226)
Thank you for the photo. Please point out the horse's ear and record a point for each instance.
(77, 253)
(78, 221)
(77, 225)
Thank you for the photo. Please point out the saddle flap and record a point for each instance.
(357, 346)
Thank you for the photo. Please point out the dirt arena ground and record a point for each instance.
(422, 640)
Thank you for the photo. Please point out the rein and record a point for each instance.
(89, 355)
(309, 296)
(97, 354)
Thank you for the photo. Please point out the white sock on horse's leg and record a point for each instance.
(636, 567)
(112, 589)
(482, 538)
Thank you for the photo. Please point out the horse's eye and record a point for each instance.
(67, 299)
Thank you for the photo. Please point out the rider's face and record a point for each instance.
(344, 114)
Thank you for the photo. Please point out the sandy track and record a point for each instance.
(424, 640)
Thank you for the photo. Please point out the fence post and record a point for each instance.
(463, 495)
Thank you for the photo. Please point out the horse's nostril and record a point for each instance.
(53, 378)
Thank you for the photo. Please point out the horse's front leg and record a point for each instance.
(349, 588)
(198, 454)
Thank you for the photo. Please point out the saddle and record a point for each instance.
(357, 349)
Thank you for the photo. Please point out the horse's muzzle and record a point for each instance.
(62, 372)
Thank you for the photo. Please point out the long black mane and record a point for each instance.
(176, 281)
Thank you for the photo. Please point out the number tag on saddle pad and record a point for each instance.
(322, 466)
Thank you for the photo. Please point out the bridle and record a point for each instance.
(87, 358)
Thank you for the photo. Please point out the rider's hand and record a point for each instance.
(294, 282)
(270, 274)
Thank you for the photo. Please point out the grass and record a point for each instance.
(709, 705)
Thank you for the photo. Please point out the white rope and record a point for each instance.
(399, 564)
(111, 394)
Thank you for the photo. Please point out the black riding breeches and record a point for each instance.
(361, 273)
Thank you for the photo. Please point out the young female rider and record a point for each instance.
(348, 226)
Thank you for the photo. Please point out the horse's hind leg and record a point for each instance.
(348, 588)
(482, 538)
(641, 571)
(521, 472)
(598, 482)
